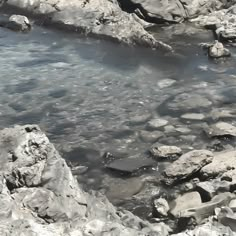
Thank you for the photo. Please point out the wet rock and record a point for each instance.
(165, 152)
(130, 165)
(79, 170)
(40, 196)
(156, 123)
(139, 119)
(209, 189)
(193, 116)
(186, 165)
(218, 50)
(150, 136)
(232, 205)
(222, 163)
(18, 23)
(184, 202)
(100, 18)
(160, 207)
(221, 129)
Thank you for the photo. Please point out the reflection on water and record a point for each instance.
(86, 93)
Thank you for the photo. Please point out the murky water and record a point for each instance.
(87, 94)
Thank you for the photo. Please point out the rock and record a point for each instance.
(186, 165)
(193, 116)
(204, 210)
(150, 136)
(98, 18)
(222, 163)
(160, 207)
(184, 202)
(139, 119)
(221, 129)
(18, 23)
(209, 189)
(208, 229)
(227, 218)
(40, 196)
(165, 83)
(156, 123)
(79, 170)
(232, 205)
(130, 165)
(165, 152)
(218, 50)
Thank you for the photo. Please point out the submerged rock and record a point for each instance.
(221, 129)
(39, 195)
(186, 165)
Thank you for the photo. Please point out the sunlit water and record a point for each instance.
(85, 93)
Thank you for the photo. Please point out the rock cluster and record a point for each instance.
(39, 195)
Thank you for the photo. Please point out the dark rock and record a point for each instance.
(130, 165)
(186, 165)
(209, 189)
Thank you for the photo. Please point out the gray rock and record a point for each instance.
(139, 119)
(232, 205)
(186, 165)
(99, 18)
(165, 152)
(223, 163)
(160, 207)
(193, 116)
(156, 123)
(209, 189)
(227, 218)
(40, 196)
(221, 129)
(218, 50)
(18, 23)
(165, 83)
(130, 165)
(184, 202)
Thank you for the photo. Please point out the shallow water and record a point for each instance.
(85, 94)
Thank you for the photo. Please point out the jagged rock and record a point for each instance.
(186, 165)
(160, 207)
(218, 50)
(40, 196)
(99, 18)
(165, 152)
(221, 129)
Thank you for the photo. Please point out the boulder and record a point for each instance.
(186, 165)
(98, 18)
(18, 23)
(40, 196)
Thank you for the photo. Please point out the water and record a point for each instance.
(84, 94)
